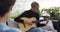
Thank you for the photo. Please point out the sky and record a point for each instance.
(23, 5)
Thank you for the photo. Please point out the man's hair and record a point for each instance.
(5, 5)
(34, 4)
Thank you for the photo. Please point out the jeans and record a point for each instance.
(37, 30)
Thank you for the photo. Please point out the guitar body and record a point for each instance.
(27, 26)
(21, 26)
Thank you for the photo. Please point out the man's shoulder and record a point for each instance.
(27, 11)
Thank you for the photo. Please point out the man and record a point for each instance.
(33, 12)
(5, 10)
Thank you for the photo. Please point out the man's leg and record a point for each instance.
(37, 30)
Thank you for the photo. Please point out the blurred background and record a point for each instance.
(47, 8)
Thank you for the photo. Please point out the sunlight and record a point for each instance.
(22, 5)
(50, 3)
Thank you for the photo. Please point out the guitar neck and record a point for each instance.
(37, 21)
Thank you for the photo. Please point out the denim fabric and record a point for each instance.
(37, 30)
(5, 28)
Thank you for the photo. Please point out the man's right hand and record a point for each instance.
(28, 22)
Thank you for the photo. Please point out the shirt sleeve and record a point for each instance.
(17, 19)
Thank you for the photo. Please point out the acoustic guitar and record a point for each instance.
(26, 27)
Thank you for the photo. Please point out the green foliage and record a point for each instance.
(14, 15)
(40, 12)
(55, 10)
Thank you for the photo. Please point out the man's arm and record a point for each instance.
(17, 19)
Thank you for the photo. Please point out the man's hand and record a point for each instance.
(28, 22)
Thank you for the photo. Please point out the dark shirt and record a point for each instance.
(28, 14)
